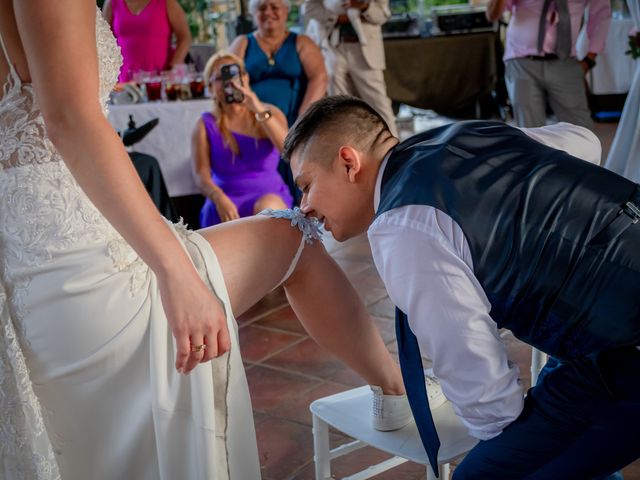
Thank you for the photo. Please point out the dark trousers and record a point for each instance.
(580, 422)
(149, 171)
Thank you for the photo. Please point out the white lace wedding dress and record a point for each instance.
(87, 384)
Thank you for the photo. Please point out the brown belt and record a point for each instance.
(546, 56)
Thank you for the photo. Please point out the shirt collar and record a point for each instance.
(376, 192)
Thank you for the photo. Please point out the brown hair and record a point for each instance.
(336, 119)
(227, 137)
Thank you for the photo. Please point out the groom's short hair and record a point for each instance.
(339, 119)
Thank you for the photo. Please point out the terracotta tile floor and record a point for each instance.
(286, 371)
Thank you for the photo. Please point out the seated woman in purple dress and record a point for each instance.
(236, 149)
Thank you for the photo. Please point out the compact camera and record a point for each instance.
(227, 73)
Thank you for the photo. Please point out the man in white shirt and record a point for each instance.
(478, 226)
(355, 62)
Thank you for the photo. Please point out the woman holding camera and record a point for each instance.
(236, 147)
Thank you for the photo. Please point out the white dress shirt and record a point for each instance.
(424, 260)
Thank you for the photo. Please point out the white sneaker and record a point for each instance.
(434, 390)
(390, 412)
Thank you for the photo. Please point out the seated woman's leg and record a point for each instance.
(269, 200)
(255, 255)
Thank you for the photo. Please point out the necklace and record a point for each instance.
(271, 52)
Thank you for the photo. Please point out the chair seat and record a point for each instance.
(350, 412)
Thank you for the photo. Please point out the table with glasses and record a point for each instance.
(169, 143)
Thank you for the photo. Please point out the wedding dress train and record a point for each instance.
(88, 389)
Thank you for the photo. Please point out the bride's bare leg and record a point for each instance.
(255, 253)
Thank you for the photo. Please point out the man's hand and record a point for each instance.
(360, 5)
(588, 62)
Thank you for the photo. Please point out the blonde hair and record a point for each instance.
(218, 112)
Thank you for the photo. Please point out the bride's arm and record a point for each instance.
(60, 44)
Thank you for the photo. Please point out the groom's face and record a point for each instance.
(332, 194)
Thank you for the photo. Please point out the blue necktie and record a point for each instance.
(413, 376)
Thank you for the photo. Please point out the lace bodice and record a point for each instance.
(42, 208)
(23, 138)
(43, 212)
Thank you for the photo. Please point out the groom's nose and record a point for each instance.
(304, 205)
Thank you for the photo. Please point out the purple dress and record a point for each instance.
(245, 178)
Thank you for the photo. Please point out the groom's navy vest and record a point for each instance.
(548, 238)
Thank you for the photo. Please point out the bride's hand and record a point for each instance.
(195, 317)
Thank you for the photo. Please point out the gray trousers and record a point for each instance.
(531, 83)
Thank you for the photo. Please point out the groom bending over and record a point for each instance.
(477, 226)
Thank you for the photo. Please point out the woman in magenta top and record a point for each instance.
(143, 29)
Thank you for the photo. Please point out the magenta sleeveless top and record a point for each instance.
(145, 39)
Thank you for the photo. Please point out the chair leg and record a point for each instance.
(443, 472)
(322, 456)
(538, 359)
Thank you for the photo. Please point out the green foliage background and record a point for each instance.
(196, 8)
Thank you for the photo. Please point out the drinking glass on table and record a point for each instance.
(196, 85)
(153, 85)
(171, 85)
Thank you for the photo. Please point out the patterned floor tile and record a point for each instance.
(307, 357)
(297, 407)
(270, 388)
(282, 319)
(257, 343)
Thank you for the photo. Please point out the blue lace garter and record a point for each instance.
(309, 226)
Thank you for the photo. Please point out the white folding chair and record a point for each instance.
(350, 412)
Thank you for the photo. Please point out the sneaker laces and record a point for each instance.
(378, 401)
(432, 383)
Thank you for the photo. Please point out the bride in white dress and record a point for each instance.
(118, 358)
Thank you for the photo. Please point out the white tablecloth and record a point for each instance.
(614, 70)
(170, 141)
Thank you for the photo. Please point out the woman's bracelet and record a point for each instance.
(263, 116)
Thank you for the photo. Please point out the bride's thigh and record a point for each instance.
(254, 254)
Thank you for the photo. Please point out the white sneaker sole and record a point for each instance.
(397, 424)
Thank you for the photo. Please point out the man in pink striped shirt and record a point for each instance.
(540, 56)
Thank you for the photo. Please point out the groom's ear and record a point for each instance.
(350, 162)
